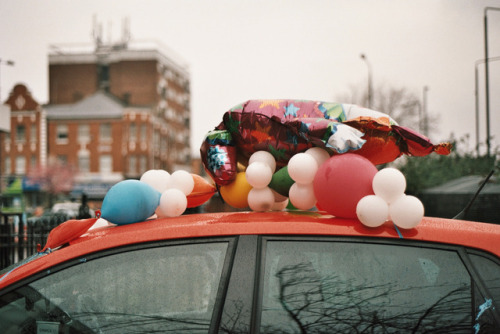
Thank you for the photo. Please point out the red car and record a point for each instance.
(283, 272)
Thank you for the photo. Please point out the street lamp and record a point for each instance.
(370, 86)
(486, 69)
(476, 94)
(7, 63)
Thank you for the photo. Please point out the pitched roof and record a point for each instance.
(20, 99)
(98, 105)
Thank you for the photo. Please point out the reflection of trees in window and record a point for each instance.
(311, 303)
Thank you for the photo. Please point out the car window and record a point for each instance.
(342, 287)
(161, 289)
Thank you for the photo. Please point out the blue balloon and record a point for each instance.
(129, 202)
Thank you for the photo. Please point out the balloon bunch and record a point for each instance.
(390, 202)
(133, 201)
(346, 185)
(157, 192)
(174, 189)
(251, 187)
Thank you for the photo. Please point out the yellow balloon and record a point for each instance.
(236, 193)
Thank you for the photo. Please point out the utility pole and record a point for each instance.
(487, 87)
(370, 84)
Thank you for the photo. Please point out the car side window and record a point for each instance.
(160, 289)
(346, 287)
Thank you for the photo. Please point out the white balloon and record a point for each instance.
(258, 174)
(406, 212)
(156, 178)
(173, 203)
(181, 180)
(265, 157)
(390, 184)
(260, 199)
(302, 168)
(302, 196)
(319, 154)
(372, 210)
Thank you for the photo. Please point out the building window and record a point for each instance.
(8, 168)
(83, 133)
(105, 131)
(144, 132)
(83, 163)
(133, 132)
(103, 75)
(20, 133)
(33, 161)
(62, 133)
(142, 164)
(20, 164)
(33, 134)
(105, 163)
(132, 164)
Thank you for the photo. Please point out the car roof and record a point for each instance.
(449, 231)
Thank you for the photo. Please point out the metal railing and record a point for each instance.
(19, 238)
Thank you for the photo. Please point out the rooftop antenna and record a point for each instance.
(125, 31)
(110, 31)
(461, 214)
(96, 31)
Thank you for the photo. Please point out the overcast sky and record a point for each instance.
(300, 49)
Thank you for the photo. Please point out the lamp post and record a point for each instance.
(486, 69)
(370, 86)
(7, 63)
(476, 94)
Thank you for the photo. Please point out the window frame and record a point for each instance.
(62, 133)
(20, 133)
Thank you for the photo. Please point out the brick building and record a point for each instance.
(118, 111)
(24, 147)
(114, 112)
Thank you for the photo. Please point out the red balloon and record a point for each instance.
(68, 231)
(341, 182)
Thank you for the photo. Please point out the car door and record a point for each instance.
(360, 285)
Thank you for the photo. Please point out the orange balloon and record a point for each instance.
(236, 193)
(201, 193)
